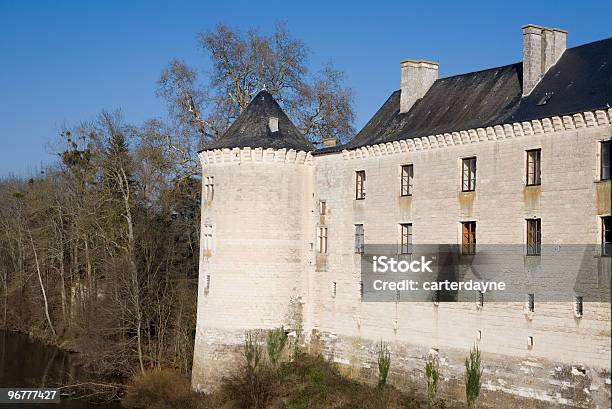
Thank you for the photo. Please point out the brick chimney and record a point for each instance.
(416, 77)
(542, 48)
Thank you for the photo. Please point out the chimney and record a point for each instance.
(542, 48)
(416, 77)
(273, 124)
(329, 142)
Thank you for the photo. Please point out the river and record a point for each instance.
(28, 363)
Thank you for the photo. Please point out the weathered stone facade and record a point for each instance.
(260, 267)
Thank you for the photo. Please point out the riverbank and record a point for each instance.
(27, 362)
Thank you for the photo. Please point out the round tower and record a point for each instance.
(256, 209)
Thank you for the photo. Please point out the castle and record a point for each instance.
(515, 155)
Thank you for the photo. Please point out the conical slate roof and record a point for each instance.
(252, 128)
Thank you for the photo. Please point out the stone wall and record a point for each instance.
(264, 269)
(570, 204)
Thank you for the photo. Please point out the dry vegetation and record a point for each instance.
(281, 376)
(308, 382)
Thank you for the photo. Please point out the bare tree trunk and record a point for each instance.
(42, 286)
(61, 267)
(5, 279)
(125, 187)
(88, 268)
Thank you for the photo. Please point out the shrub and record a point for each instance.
(384, 363)
(296, 350)
(432, 375)
(252, 385)
(161, 389)
(251, 351)
(276, 341)
(473, 375)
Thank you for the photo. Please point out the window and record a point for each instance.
(578, 306)
(334, 289)
(469, 175)
(322, 239)
(322, 208)
(435, 297)
(534, 237)
(606, 158)
(606, 236)
(208, 237)
(533, 167)
(530, 302)
(360, 184)
(468, 239)
(209, 187)
(359, 238)
(361, 289)
(406, 238)
(207, 282)
(407, 175)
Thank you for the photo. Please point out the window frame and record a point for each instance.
(469, 247)
(360, 177)
(530, 302)
(209, 188)
(359, 233)
(537, 167)
(602, 165)
(533, 237)
(406, 237)
(207, 234)
(406, 180)
(322, 239)
(471, 162)
(579, 306)
(322, 208)
(606, 236)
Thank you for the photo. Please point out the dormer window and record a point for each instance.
(273, 124)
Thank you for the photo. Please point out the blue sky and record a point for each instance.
(61, 62)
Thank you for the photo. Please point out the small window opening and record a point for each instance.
(530, 303)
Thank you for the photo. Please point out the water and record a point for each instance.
(27, 363)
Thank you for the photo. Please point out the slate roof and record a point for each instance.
(580, 81)
(251, 129)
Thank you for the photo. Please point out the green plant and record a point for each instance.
(432, 375)
(253, 385)
(296, 350)
(384, 363)
(473, 375)
(252, 350)
(276, 341)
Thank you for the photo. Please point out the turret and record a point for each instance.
(257, 194)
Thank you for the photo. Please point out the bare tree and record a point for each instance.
(242, 65)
